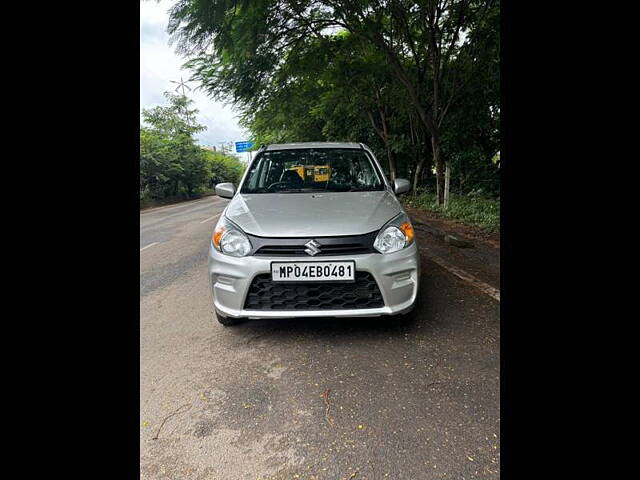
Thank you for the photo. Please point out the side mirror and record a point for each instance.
(401, 185)
(225, 190)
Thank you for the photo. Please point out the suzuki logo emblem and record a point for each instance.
(312, 248)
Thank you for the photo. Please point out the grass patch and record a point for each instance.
(471, 210)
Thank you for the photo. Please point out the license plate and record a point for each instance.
(313, 271)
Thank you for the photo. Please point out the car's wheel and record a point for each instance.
(228, 321)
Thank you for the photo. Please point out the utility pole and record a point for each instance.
(226, 147)
(447, 178)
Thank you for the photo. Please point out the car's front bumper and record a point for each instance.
(397, 275)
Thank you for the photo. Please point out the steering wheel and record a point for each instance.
(276, 183)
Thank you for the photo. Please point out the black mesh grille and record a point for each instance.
(265, 294)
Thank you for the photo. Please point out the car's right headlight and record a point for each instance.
(229, 239)
(395, 235)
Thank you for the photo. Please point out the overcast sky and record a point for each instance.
(159, 64)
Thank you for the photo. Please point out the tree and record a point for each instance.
(255, 53)
(169, 156)
(356, 78)
(222, 168)
(471, 137)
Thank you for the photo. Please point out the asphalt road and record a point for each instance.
(313, 398)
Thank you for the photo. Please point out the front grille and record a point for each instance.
(265, 294)
(295, 247)
(299, 250)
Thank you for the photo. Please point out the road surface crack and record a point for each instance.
(176, 412)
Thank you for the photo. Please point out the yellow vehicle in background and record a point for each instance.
(299, 169)
(322, 173)
(315, 173)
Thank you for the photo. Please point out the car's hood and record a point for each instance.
(312, 214)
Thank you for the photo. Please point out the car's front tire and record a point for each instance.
(228, 321)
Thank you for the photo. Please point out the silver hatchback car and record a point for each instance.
(314, 230)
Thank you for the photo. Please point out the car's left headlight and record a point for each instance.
(229, 239)
(395, 235)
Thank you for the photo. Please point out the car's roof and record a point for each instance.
(289, 146)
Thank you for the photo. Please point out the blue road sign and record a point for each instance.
(243, 146)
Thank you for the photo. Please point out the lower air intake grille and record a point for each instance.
(267, 295)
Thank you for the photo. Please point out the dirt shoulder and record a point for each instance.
(466, 248)
(452, 227)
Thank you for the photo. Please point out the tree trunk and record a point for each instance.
(387, 143)
(384, 135)
(416, 176)
(447, 179)
(392, 163)
(437, 159)
(423, 164)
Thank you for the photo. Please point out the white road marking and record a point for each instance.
(150, 245)
(485, 288)
(210, 218)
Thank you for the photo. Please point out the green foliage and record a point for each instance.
(222, 168)
(471, 209)
(171, 163)
(395, 75)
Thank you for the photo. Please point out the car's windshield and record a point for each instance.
(311, 170)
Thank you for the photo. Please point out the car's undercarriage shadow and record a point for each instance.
(334, 326)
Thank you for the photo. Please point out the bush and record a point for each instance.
(471, 209)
